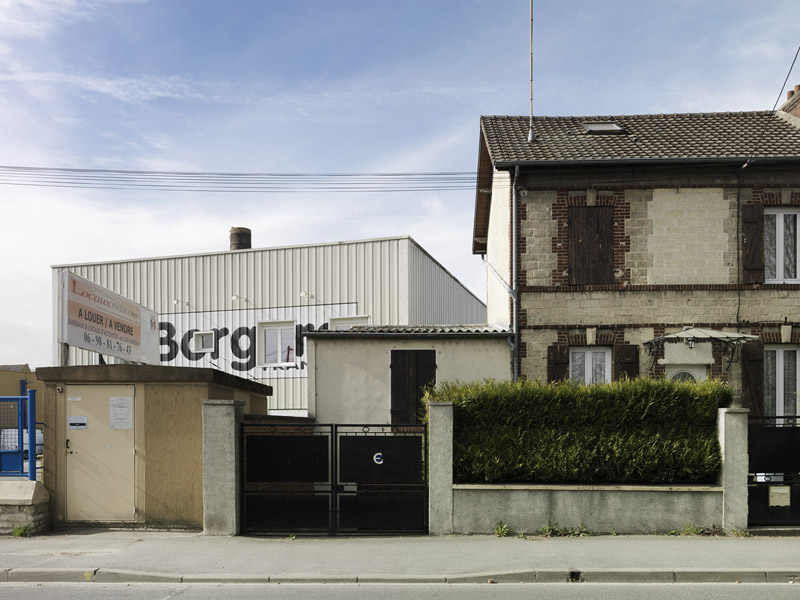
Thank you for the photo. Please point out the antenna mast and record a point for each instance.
(531, 135)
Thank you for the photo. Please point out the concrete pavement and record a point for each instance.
(142, 555)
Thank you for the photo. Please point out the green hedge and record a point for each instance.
(638, 431)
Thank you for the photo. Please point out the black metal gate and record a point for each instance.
(334, 479)
(774, 471)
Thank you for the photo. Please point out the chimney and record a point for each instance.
(792, 104)
(240, 238)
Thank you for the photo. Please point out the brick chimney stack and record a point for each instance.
(792, 104)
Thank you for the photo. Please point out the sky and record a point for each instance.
(329, 86)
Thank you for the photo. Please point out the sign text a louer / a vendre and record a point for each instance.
(94, 318)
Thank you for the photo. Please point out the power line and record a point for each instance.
(221, 182)
(774, 106)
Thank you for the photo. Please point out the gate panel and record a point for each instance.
(287, 478)
(381, 479)
(774, 466)
(353, 479)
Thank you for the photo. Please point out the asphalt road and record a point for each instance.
(549, 591)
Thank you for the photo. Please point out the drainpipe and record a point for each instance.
(514, 286)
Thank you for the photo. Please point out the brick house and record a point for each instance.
(603, 235)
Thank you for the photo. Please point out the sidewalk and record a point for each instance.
(140, 556)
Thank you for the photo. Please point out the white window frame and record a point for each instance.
(779, 373)
(197, 342)
(587, 363)
(345, 323)
(261, 345)
(779, 249)
(698, 372)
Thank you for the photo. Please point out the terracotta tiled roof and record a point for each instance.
(670, 137)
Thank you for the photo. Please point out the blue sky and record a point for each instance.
(322, 87)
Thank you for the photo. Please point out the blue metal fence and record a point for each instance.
(17, 421)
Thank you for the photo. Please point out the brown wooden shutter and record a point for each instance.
(626, 361)
(753, 243)
(557, 363)
(753, 377)
(591, 245)
(412, 371)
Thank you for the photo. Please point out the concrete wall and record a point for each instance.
(351, 378)
(477, 508)
(602, 509)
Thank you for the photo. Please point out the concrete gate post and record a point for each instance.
(732, 428)
(440, 468)
(221, 464)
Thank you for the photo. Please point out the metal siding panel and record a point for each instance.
(364, 273)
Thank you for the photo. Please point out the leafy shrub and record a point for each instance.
(630, 431)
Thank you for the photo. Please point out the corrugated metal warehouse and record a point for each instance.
(244, 311)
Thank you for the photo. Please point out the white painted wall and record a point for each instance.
(350, 381)
(498, 251)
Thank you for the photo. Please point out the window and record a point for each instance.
(780, 245)
(203, 341)
(345, 323)
(591, 245)
(590, 365)
(602, 128)
(687, 373)
(780, 380)
(277, 344)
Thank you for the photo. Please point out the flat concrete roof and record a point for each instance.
(149, 374)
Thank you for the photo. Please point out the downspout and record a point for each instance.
(514, 285)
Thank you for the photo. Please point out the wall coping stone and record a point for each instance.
(588, 488)
(22, 492)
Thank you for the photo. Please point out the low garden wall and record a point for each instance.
(623, 509)
(526, 509)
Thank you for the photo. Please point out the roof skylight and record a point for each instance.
(602, 128)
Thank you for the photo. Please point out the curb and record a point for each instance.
(100, 575)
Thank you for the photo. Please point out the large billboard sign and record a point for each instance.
(94, 318)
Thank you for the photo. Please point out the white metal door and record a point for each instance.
(100, 453)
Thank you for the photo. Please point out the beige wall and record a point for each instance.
(595, 308)
(498, 251)
(692, 238)
(168, 448)
(538, 229)
(351, 379)
(677, 236)
(173, 435)
(9, 382)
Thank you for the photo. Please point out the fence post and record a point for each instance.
(221, 464)
(732, 423)
(440, 464)
(32, 435)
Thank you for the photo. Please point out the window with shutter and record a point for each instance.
(753, 243)
(753, 377)
(557, 363)
(626, 361)
(590, 364)
(591, 245)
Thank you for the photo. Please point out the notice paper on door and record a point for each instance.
(120, 413)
